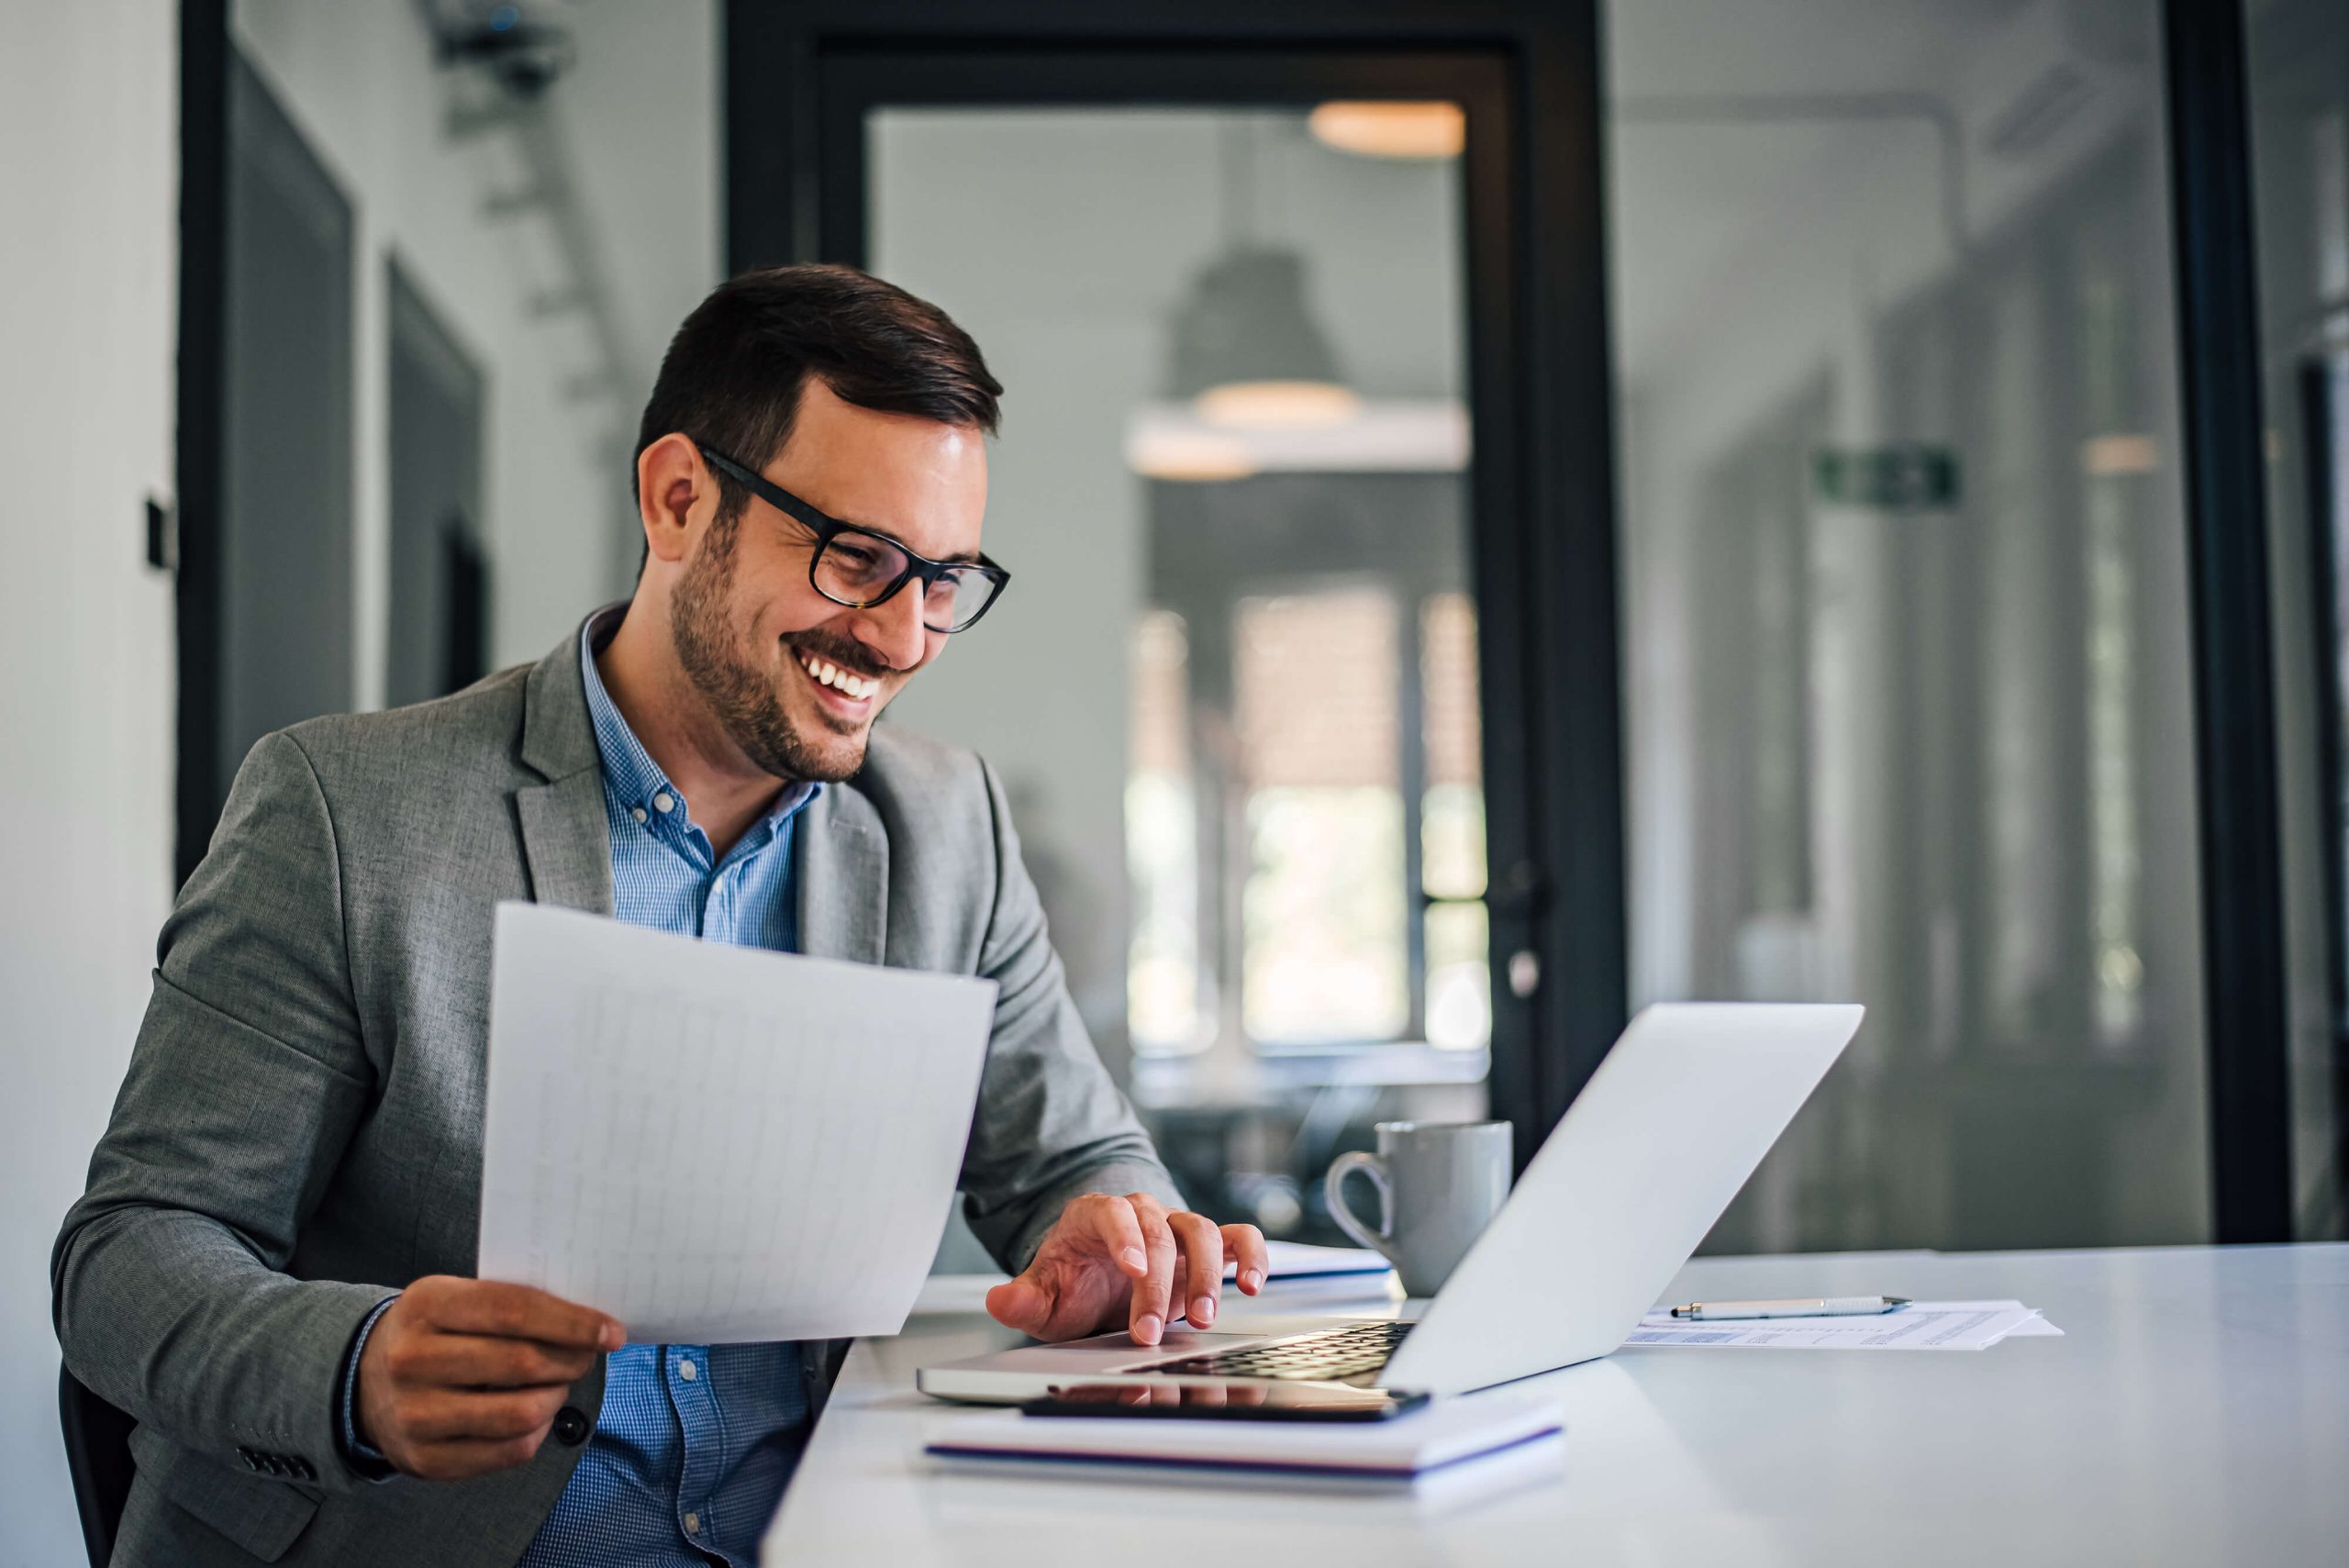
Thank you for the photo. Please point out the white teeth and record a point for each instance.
(832, 674)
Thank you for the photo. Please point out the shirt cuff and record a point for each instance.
(365, 1460)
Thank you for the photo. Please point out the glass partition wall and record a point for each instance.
(1234, 695)
(1906, 638)
(2297, 53)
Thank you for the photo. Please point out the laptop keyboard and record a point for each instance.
(1352, 1354)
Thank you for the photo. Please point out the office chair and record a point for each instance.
(97, 1451)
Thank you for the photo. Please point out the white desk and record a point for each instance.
(2197, 1412)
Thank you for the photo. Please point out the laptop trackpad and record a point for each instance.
(1115, 1351)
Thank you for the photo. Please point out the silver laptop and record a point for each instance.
(1623, 1189)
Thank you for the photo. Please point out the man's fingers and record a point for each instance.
(445, 1415)
(1245, 1245)
(1202, 1246)
(1147, 1318)
(1020, 1303)
(448, 1360)
(522, 1312)
(463, 1377)
(1121, 1237)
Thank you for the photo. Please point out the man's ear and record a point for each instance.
(674, 496)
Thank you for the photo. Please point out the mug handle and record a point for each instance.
(1333, 1187)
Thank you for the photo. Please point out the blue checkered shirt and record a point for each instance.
(694, 1442)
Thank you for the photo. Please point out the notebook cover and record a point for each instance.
(1448, 1433)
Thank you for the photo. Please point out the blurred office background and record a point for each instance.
(1904, 636)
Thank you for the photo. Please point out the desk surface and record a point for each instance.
(2196, 1411)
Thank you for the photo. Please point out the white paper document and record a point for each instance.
(1920, 1326)
(716, 1144)
(1303, 1260)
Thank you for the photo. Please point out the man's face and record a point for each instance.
(755, 637)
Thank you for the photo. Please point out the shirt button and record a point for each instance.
(687, 1371)
(664, 803)
(637, 812)
(693, 1524)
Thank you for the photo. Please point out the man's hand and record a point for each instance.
(461, 1376)
(1127, 1260)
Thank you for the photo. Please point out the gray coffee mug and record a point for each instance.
(1439, 1183)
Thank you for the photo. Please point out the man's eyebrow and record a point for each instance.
(959, 557)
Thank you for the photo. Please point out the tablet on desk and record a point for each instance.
(1226, 1400)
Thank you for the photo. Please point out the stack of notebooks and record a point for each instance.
(1443, 1437)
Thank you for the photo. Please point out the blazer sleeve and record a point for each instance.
(170, 1291)
(1051, 1124)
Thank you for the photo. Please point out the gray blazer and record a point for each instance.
(299, 1132)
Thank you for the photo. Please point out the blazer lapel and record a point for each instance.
(566, 837)
(844, 877)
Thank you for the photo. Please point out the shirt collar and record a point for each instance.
(629, 773)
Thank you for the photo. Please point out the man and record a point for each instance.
(269, 1269)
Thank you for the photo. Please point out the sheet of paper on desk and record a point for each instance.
(1920, 1326)
(716, 1144)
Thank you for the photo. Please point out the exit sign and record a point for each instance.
(1904, 478)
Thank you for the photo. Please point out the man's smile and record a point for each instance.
(842, 690)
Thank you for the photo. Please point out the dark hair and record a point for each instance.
(734, 373)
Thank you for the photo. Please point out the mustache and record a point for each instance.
(847, 654)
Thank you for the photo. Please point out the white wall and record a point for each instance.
(88, 269)
(633, 127)
(88, 280)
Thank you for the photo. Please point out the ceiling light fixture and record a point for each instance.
(1277, 404)
(1246, 351)
(2111, 456)
(1391, 129)
(1187, 456)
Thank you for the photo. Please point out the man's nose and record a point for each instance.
(893, 628)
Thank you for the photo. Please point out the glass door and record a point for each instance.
(1237, 702)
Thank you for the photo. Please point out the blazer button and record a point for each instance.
(570, 1427)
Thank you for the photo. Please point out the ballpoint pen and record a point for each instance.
(1816, 1306)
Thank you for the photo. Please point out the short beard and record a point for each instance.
(743, 700)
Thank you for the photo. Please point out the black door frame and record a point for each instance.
(2246, 978)
(799, 82)
(198, 583)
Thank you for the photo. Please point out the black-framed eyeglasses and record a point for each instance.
(859, 568)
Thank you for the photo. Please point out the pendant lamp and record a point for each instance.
(1247, 353)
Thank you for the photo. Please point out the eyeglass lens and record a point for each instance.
(859, 568)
